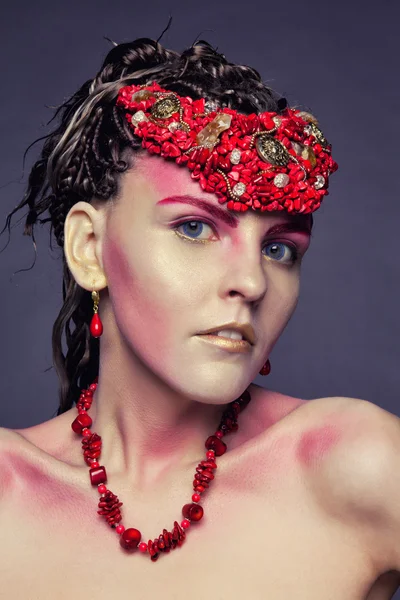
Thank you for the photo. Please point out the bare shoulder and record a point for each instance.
(310, 412)
(348, 446)
(356, 416)
(358, 482)
(11, 444)
(10, 441)
(24, 450)
(17, 442)
(347, 450)
(344, 445)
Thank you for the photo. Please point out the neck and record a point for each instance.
(149, 430)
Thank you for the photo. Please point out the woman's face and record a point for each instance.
(175, 269)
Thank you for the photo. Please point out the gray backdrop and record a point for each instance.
(337, 59)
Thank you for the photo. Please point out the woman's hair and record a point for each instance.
(83, 158)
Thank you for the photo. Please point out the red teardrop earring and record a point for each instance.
(266, 368)
(96, 326)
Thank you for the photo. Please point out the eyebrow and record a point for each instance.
(298, 225)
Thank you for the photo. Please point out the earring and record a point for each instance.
(266, 368)
(96, 326)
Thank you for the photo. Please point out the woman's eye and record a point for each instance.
(279, 251)
(192, 229)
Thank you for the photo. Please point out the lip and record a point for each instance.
(245, 329)
(228, 344)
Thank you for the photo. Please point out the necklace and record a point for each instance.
(109, 503)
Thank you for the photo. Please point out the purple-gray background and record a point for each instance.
(337, 59)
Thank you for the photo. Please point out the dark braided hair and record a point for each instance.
(84, 156)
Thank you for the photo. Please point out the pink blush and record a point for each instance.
(30, 480)
(138, 289)
(315, 444)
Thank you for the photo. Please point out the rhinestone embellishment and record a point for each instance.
(281, 180)
(174, 126)
(210, 106)
(235, 156)
(239, 189)
(138, 117)
(320, 182)
(272, 151)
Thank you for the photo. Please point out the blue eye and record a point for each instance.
(193, 229)
(279, 251)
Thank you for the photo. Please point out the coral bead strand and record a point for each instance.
(109, 504)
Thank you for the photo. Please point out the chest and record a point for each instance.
(270, 541)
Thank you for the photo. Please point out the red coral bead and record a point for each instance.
(98, 475)
(96, 326)
(193, 512)
(216, 444)
(81, 422)
(130, 539)
(185, 524)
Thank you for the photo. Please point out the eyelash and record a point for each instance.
(295, 252)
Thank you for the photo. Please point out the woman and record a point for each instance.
(181, 190)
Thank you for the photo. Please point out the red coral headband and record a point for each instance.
(265, 161)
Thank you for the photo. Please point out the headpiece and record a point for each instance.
(266, 161)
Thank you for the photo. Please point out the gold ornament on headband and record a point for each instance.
(165, 107)
(317, 133)
(272, 151)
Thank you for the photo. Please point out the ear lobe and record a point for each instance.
(83, 238)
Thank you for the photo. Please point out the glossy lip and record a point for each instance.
(245, 329)
(227, 344)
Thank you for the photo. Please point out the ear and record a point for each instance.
(84, 229)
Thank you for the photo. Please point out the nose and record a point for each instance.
(244, 274)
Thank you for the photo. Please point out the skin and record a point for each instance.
(316, 444)
(162, 390)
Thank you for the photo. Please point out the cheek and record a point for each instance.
(138, 305)
(280, 303)
(151, 292)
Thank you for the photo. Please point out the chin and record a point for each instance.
(215, 390)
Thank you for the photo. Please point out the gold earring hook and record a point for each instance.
(96, 300)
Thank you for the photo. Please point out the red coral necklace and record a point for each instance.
(109, 504)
